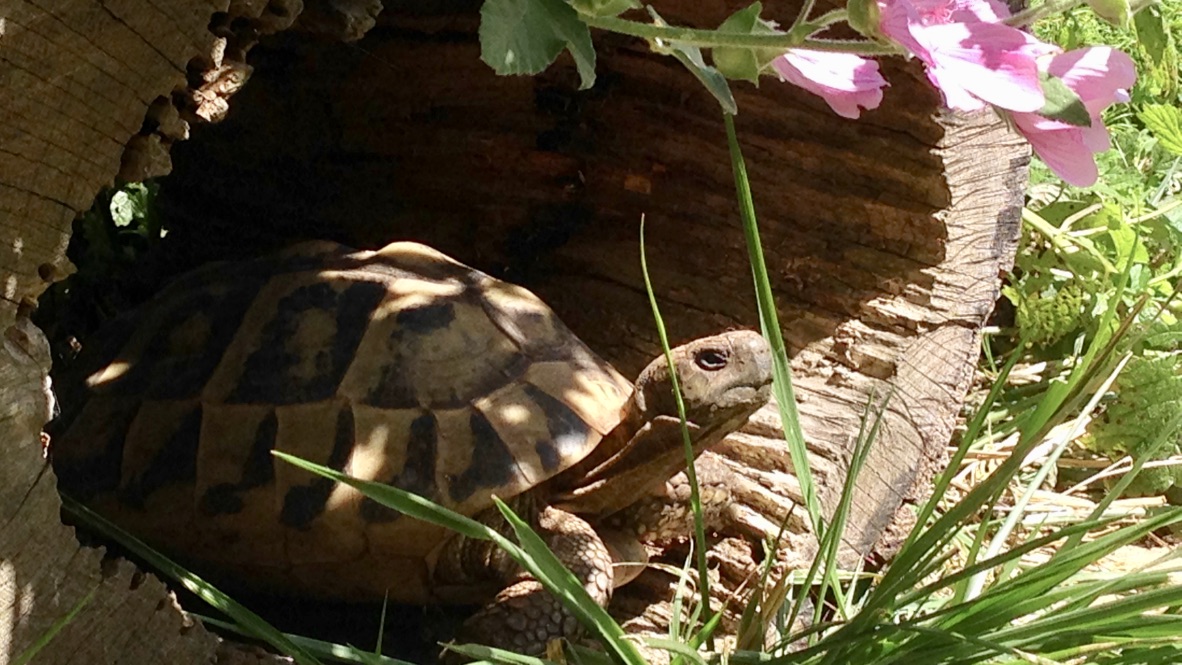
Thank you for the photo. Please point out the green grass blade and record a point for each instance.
(377, 649)
(481, 654)
(250, 623)
(687, 442)
(1060, 400)
(43, 640)
(406, 502)
(997, 560)
(770, 322)
(785, 395)
(326, 651)
(533, 555)
(831, 543)
(1009, 599)
(542, 564)
(1001, 537)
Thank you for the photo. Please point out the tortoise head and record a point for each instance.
(722, 379)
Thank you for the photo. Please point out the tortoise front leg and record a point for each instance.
(525, 617)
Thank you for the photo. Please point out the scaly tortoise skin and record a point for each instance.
(401, 366)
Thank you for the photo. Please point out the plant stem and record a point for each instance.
(1029, 16)
(714, 38)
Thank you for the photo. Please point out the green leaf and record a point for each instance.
(691, 57)
(600, 8)
(326, 651)
(745, 64)
(1151, 33)
(1062, 103)
(1164, 122)
(130, 203)
(1115, 12)
(715, 82)
(526, 36)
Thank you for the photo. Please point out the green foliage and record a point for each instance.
(1148, 395)
(1154, 481)
(119, 228)
(1165, 124)
(1077, 254)
(1048, 315)
(1062, 103)
(525, 36)
(1142, 167)
(110, 247)
(600, 8)
(711, 78)
(1152, 34)
(1080, 245)
(1115, 12)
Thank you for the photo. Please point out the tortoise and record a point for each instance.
(399, 365)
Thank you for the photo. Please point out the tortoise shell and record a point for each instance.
(398, 365)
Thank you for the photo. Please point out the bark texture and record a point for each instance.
(79, 78)
(885, 236)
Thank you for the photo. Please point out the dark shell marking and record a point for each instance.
(398, 365)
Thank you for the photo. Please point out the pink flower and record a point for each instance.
(1099, 76)
(971, 57)
(844, 80)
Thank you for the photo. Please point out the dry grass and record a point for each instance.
(1056, 503)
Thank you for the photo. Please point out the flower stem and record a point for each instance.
(715, 38)
(1029, 16)
(803, 17)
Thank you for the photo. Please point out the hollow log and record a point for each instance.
(885, 236)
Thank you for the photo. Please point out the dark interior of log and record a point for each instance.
(407, 135)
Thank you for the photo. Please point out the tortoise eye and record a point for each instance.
(711, 360)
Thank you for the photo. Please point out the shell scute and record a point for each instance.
(403, 456)
(160, 449)
(296, 342)
(303, 430)
(173, 350)
(477, 462)
(234, 456)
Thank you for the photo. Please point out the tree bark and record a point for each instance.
(885, 236)
(78, 78)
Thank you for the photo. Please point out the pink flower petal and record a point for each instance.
(844, 80)
(990, 11)
(990, 62)
(970, 56)
(1064, 151)
(1100, 75)
(895, 18)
